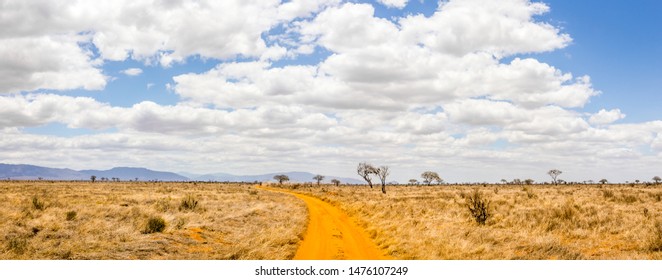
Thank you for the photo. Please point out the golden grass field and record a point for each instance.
(230, 221)
(234, 221)
(528, 222)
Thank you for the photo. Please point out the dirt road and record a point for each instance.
(331, 234)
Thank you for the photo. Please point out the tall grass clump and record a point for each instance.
(656, 238)
(71, 215)
(38, 204)
(479, 207)
(188, 203)
(154, 224)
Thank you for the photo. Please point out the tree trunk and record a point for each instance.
(383, 188)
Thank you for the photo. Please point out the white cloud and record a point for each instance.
(394, 3)
(132, 71)
(411, 92)
(47, 62)
(606, 117)
(460, 27)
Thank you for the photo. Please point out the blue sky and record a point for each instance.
(476, 90)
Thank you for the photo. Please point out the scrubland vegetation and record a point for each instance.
(137, 220)
(520, 222)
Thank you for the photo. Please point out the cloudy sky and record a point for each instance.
(477, 90)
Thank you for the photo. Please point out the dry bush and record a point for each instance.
(655, 242)
(38, 204)
(71, 215)
(479, 207)
(154, 224)
(188, 203)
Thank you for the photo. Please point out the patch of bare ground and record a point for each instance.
(111, 220)
(525, 222)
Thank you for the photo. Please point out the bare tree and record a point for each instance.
(382, 172)
(281, 178)
(93, 178)
(365, 170)
(335, 182)
(657, 179)
(554, 173)
(429, 177)
(318, 178)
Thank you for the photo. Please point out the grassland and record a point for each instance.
(527, 222)
(111, 220)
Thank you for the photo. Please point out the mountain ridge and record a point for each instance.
(34, 172)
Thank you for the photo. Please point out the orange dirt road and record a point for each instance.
(331, 234)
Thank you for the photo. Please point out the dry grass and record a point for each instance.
(64, 220)
(535, 222)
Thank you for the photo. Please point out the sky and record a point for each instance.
(475, 90)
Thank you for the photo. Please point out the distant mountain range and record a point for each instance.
(33, 172)
(294, 177)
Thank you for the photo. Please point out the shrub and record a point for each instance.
(155, 224)
(38, 204)
(188, 203)
(655, 243)
(479, 207)
(71, 215)
(17, 244)
(607, 193)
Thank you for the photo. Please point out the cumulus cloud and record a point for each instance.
(606, 117)
(394, 3)
(410, 92)
(132, 71)
(47, 62)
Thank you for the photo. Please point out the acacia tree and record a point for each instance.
(529, 181)
(603, 181)
(430, 176)
(365, 170)
(318, 178)
(382, 172)
(281, 178)
(554, 173)
(93, 178)
(413, 181)
(335, 182)
(657, 179)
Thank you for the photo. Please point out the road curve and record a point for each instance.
(331, 234)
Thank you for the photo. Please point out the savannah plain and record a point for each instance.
(168, 220)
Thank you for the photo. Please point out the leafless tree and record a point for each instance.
(365, 170)
(318, 178)
(281, 178)
(382, 172)
(429, 177)
(554, 173)
(335, 182)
